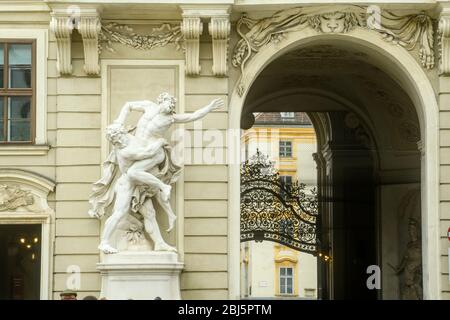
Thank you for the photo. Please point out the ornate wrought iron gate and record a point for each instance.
(273, 211)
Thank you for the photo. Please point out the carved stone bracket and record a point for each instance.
(62, 26)
(444, 44)
(219, 29)
(87, 22)
(89, 27)
(192, 28)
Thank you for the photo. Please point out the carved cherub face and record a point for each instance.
(333, 22)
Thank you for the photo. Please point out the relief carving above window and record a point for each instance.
(13, 197)
(23, 192)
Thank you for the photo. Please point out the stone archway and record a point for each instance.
(402, 67)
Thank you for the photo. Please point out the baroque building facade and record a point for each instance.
(373, 79)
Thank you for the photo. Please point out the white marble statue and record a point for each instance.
(139, 169)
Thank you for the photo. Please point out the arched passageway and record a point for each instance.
(370, 124)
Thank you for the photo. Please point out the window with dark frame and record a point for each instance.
(17, 91)
(285, 149)
(287, 115)
(286, 280)
(286, 183)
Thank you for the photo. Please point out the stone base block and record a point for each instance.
(142, 275)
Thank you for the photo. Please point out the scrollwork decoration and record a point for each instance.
(275, 212)
(408, 31)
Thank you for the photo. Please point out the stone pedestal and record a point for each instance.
(140, 275)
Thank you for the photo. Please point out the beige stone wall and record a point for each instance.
(205, 206)
(444, 156)
(77, 157)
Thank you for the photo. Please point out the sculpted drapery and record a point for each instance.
(409, 31)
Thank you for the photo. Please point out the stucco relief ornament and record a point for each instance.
(409, 132)
(134, 234)
(12, 197)
(160, 36)
(407, 31)
(139, 171)
(356, 127)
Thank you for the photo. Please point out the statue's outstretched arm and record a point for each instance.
(133, 106)
(200, 113)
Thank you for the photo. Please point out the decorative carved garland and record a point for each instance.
(407, 31)
(185, 36)
(160, 36)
